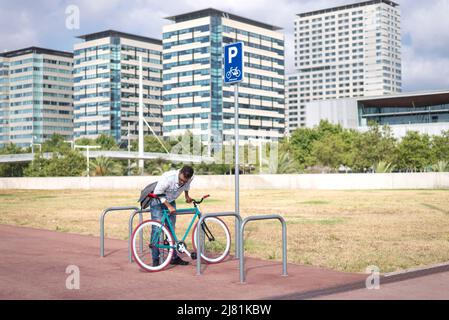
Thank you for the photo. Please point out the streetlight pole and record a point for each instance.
(32, 147)
(87, 155)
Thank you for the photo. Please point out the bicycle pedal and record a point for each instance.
(193, 256)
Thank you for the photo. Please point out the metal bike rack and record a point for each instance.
(238, 220)
(130, 231)
(242, 242)
(102, 217)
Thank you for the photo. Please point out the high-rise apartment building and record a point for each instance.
(294, 114)
(106, 75)
(195, 98)
(36, 95)
(348, 51)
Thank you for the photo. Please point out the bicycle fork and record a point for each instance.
(207, 232)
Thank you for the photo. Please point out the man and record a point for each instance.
(169, 187)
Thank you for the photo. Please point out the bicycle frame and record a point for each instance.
(166, 220)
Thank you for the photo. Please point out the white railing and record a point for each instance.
(433, 180)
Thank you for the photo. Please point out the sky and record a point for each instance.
(425, 27)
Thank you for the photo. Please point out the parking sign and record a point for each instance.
(233, 62)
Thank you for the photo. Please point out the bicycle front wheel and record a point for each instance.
(216, 240)
(151, 241)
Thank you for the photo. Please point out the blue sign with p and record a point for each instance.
(233, 62)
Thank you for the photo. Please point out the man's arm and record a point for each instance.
(161, 187)
(186, 194)
(170, 208)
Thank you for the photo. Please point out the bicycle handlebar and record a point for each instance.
(195, 202)
(202, 198)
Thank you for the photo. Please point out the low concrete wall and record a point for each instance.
(434, 180)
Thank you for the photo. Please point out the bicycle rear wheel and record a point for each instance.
(156, 240)
(216, 240)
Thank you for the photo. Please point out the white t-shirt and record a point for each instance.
(169, 185)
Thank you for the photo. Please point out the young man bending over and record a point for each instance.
(169, 188)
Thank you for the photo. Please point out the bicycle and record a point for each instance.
(154, 235)
(233, 72)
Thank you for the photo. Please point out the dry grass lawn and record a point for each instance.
(342, 230)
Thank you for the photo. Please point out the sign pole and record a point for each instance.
(237, 171)
(141, 141)
(233, 74)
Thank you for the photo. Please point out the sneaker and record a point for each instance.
(179, 261)
(155, 262)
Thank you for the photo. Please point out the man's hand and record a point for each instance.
(188, 199)
(170, 208)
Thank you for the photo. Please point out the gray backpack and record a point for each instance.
(147, 194)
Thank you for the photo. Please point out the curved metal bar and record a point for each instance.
(199, 234)
(130, 231)
(242, 243)
(102, 218)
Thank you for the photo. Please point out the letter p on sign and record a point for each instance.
(232, 53)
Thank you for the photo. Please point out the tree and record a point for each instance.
(285, 164)
(326, 128)
(440, 146)
(329, 151)
(64, 160)
(150, 144)
(210, 168)
(303, 139)
(61, 164)
(12, 169)
(372, 147)
(348, 137)
(187, 143)
(71, 163)
(56, 143)
(38, 167)
(301, 146)
(441, 166)
(383, 167)
(103, 166)
(413, 152)
(159, 169)
(106, 142)
(85, 142)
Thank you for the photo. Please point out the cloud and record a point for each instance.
(16, 28)
(425, 50)
(424, 73)
(425, 27)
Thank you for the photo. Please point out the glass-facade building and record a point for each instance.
(425, 109)
(36, 95)
(195, 98)
(106, 76)
(425, 112)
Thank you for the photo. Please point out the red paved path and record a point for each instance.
(33, 264)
